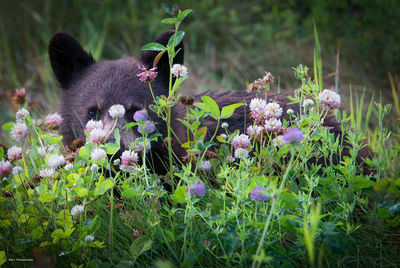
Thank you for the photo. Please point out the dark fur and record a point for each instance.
(87, 84)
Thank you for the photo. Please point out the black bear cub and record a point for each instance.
(90, 88)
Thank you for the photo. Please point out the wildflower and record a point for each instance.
(205, 166)
(19, 132)
(307, 103)
(139, 145)
(272, 110)
(42, 152)
(116, 162)
(129, 158)
(256, 85)
(117, 110)
(5, 168)
(290, 112)
(255, 132)
(224, 125)
(16, 170)
(46, 173)
(272, 125)
(68, 167)
(230, 159)
(89, 238)
(179, 70)
(241, 141)
(147, 127)
(22, 115)
(98, 154)
(268, 78)
(19, 97)
(241, 153)
(76, 210)
(53, 121)
(147, 75)
(94, 167)
(258, 194)
(329, 98)
(278, 141)
(140, 115)
(14, 153)
(55, 161)
(92, 124)
(224, 136)
(293, 135)
(257, 105)
(187, 100)
(197, 189)
(97, 135)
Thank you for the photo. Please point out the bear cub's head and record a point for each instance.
(90, 88)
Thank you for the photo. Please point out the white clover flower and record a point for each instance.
(272, 110)
(53, 121)
(241, 153)
(42, 152)
(14, 153)
(255, 131)
(329, 98)
(98, 154)
(16, 170)
(117, 110)
(257, 105)
(46, 173)
(5, 168)
(129, 158)
(56, 161)
(179, 70)
(278, 141)
(94, 167)
(68, 167)
(272, 125)
(92, 124)
(21, 115)
(139, 145)
(116, 162)
(205, 166)
(97, 135)
(290, 112)
(89, 238)
(307, 103)
(224, 136)
(241, 141)
(230, 159)
(19, 132)
(224, 125)
(76, 210)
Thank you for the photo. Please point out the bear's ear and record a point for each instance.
(148, 56)
(68, 59)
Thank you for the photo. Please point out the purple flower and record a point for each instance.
(197, 189)
(259, 194)
(293, 135)
(147, 75)
(140, 116)
(5, 168)
(147, 127)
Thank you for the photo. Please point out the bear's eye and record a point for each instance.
(92, 113)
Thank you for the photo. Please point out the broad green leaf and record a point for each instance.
(140, 245)
(81, 192)
(358, 183)
(85, 151)
(130, 125)
(154, 46)
(169, 21)
(112, 148)
(220, 139)
(182, 14)
(37, 233)
(211, 106)
(200, 133)
(3, 257)
(178, 39)
(130, 192)
(228, 111)
(7, 126)
(179, 195)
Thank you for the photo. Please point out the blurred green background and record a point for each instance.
(229, 43)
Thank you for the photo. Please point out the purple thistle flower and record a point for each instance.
(147, 127)
(147, 75)
(197, 189)
(140, 115)
(259, 194)
(293, 135)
